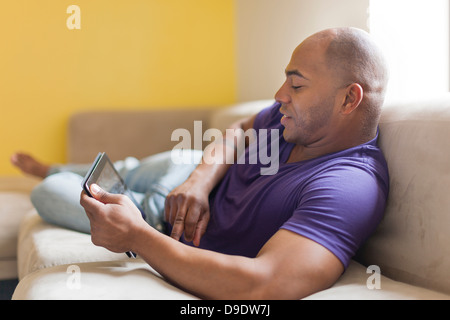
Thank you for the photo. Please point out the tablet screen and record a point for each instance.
(103, 173)
(109, 180)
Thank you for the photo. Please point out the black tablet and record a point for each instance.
(103, 173)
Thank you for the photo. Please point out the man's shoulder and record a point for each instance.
(349, 175)
(366, 157)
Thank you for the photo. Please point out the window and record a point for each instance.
(414, 35)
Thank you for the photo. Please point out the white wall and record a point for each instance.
(269, 30)
(414, 36)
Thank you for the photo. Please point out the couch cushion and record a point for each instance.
(121, 280)
(42, 245)
(411, 244)
(353, 285)
(134, 279)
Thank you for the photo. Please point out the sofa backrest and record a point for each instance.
(146, 132)
(412, 242)
(128, 133)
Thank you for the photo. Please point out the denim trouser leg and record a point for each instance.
(57, 198)
(156, 176)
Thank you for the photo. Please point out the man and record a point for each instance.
(280, 236)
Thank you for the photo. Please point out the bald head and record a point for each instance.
(352, 56)
(355, 57)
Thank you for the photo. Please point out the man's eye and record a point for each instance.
(296, 87)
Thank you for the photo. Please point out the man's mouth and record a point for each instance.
(285, 117)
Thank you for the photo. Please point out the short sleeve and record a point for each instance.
(339, 208)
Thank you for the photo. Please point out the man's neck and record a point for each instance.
(315, 150)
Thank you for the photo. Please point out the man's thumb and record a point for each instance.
(100, 194)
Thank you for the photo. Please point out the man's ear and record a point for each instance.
(353, 96)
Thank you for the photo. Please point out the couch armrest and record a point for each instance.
(23, 184)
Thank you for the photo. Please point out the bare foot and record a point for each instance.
(29, 165)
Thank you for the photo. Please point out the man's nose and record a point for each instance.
(282, 95)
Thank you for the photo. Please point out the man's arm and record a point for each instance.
(289, 266)
(187, 206)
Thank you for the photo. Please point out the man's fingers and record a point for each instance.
(184, 211)
(201, 228)
(94, 206)
(191, 221)
(173, 210)
(89, 204)
(177, 227)
(167, 208)
(103, 196)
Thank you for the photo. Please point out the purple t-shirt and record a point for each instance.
(337, 199)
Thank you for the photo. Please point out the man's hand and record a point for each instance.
(114, 219)
(187, 210)
(187, 206)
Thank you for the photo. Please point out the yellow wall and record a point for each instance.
(132, 54)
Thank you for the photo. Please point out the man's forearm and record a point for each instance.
(210, 171)
(219, 155)
(204, 273)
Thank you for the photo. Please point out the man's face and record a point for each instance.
(307, 96)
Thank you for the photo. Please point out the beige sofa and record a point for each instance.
(409, 254)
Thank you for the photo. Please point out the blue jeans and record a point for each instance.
(57, 197)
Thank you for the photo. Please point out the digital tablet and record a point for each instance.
(103, 173)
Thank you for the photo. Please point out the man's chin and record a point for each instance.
(288, 137)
